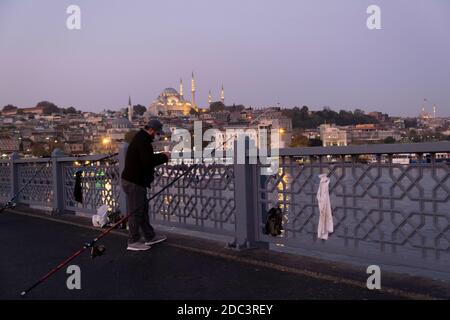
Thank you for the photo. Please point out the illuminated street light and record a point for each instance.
(107, 143)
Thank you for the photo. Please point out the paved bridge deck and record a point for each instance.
(181, 268)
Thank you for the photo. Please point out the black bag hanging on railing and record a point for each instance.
(78, 191)
(274, 222)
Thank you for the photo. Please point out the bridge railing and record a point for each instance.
(6, 186)
(202, 200)
(48, 183)
(385, 208)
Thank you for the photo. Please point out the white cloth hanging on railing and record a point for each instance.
(326, 218)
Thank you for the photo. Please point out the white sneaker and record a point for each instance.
(156, 239)
(138, 246)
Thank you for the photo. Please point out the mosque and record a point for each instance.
(424, 115)
(172, 103)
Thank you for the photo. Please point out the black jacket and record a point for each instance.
(140, 161)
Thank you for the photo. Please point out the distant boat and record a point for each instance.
(403, 158)
(442, 157)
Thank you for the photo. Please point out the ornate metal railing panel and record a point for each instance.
(5, 180)
(39, 177)
(382, 210)
(202, 200)
(379, 208)
(100, 184)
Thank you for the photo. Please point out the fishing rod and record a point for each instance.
(98, 250)
(11, 204)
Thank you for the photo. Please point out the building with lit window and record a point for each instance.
(332, 136)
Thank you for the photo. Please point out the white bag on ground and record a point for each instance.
(101, 218)
(326, 218)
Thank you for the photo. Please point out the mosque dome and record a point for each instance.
(121, 123)
(169, 92)
(170, 102)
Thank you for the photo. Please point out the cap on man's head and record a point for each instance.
(155, 125)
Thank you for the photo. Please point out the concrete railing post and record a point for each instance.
(14, 175)
(122, 198)
(58, 182)
(245, 197)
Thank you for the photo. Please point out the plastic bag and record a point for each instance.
(101, 218)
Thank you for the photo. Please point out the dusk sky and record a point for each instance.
(293, 52)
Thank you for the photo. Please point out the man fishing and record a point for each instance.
(137, 176)
(140, 163)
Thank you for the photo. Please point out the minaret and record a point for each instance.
(222, 95)
(130, 109)
(181, 89)
(209, 97)
(193, 90)
(434, 111)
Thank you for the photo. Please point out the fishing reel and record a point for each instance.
(11, 204)
(8, 205)
(97, 251)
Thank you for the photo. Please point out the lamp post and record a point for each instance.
(107, 143)
(281, 131)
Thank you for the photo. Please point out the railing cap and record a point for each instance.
(429, 147)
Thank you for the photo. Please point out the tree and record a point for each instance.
(42, 149)
(304, 113)
(48, 107)
(315, 143)
(139, 109)
(303, 118)
(389, 140)
(71, 110)
(39, 150)
(299, 140)
(55, 145)
(9, 107)
(414, 136)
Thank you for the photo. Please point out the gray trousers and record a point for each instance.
(137, 204)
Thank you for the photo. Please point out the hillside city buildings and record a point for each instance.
(34, 132)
